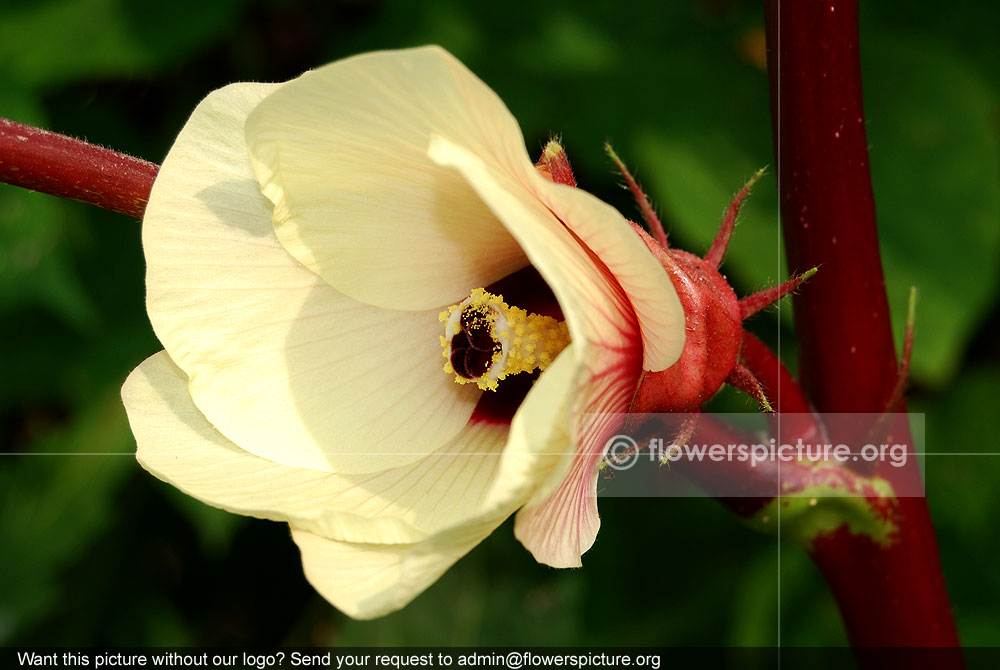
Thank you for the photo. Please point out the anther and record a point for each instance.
(486, 340)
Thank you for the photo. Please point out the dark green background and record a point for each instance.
(93, 550)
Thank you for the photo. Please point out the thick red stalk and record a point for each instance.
(890, 595)
(44, 161)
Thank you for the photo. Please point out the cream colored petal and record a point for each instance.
(364, 578)
(649, 289)
(403, 505)
(596, 309)
(559, 528)
(389, 562)
(278, 361)
(558, 531)
(341, 151)
(539, 448)
(367, 581)
(606, 344)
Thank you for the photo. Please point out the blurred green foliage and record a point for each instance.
(95, 551)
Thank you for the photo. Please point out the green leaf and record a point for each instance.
(961, 472)
(54, 506)
(104, 38)
(35, 265)
(936, 174)
(697, 176)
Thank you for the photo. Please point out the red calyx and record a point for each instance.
(713, 331)
(713, 315)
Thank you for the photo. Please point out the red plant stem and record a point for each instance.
(51, 163)
(888, 595)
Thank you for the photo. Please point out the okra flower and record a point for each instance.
(327, 259)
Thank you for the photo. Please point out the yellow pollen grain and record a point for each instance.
(531, 341)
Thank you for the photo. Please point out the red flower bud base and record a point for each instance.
(713, 316)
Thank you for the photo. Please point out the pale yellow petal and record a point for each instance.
(341, 151)
(558, 526)
(605, 232)
(278, 361)
(559, 530)
(404, 505)
(366, 581)
(595, 308)
(539, 448)
(606, 345)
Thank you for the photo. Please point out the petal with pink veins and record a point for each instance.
(561, 518)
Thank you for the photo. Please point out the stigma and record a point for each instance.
(486, 340)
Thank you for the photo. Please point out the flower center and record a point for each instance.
(486, 340)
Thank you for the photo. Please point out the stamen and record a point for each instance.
(486, 340)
